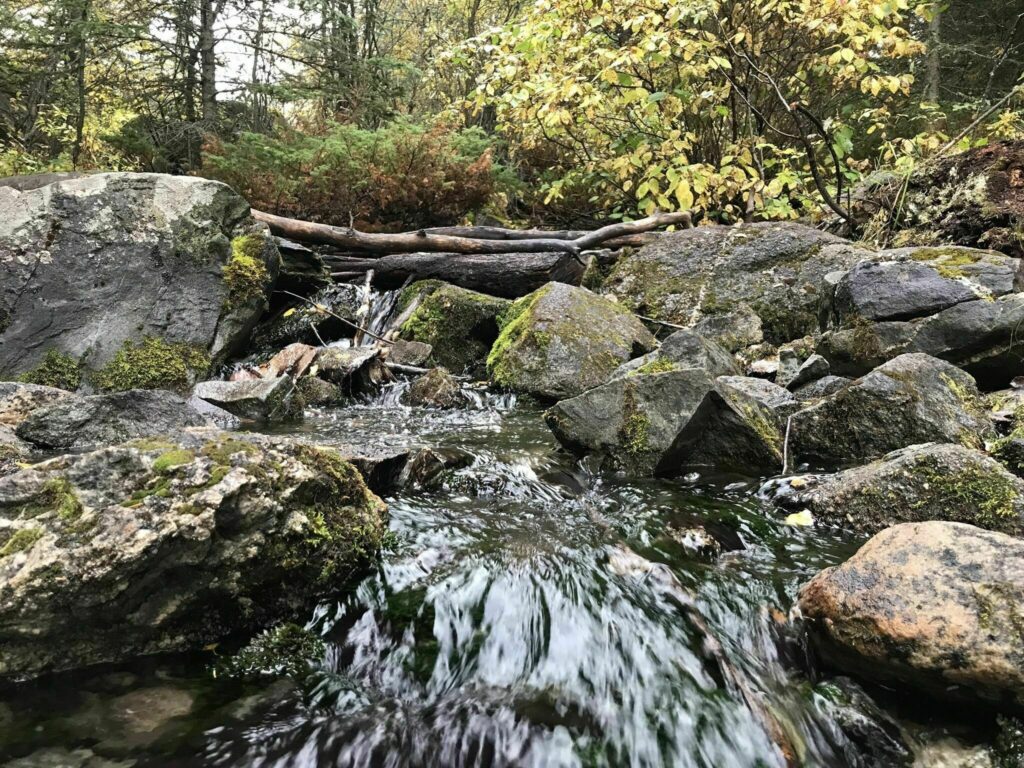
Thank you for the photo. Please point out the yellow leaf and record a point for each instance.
(801, 519)
(289, 313)
(684, 194)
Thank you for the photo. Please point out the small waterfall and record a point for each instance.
(383, 305)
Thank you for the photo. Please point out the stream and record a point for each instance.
(526, 612)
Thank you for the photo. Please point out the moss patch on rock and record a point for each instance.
(58, 369)
(19, 541)
(460, 325)
(153, 363)
(286, 650)
(245, 274)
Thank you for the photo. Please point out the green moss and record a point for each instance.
(221, 451)
(153, 364)
(953, 257)
(56, 496)
(513, 324)
(633, 434)
(988, 498)
(763, 426)
(245, 274)
(21, 540)
(284, 650)
(657, 365)
(56, 370)
(655, 291)
(171, 459)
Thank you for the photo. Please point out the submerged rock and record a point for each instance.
(258, 399)
(916, 484)
(192, 278)
(910, 399)
(773, 268)
(157, 546)
(562, 340)
(935, 606)
(436, 389)
(459, 324)
(355, 370)
(77, 422)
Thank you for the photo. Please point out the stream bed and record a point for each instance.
(528, 611)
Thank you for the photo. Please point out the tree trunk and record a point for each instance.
(78, 63)
(208, 11)
(934, 59)
(511, 276)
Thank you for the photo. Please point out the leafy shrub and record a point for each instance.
(402, 176)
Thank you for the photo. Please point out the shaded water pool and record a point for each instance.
(528, 612)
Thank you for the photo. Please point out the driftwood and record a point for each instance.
(349, 239)
(512, 276)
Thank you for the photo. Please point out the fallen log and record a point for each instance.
(347, 238)
(512, 276)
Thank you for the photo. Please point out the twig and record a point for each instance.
(662, 322)
(322, 308)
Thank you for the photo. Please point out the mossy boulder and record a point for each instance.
(774, 269)
(459, 324)
(437, 388)
(683, 349)
(958, 304)
(922, 482)
(169, 545)
(560, 341)
(174, 259)
(911, 399)
(934, 608)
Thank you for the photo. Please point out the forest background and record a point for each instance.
(398, 114)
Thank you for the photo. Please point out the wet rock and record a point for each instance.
(823, 387)
(740, 426)
(934, 607)
(260, 399)
(18, 400)
(314, 391)
(78, 422)
(696, 541)
(294, 360)
(436, 389)
(560, 341)
(910, 399)
(915, 484)
(140, 719)
(193, 276)
(774, 268)
(735, 330)
(214, 415)
(355, 370)
(460, 325)
(429, 465)
(380, 465)
(303, 271)
(683, 349)
(59, 757)
(874, 734)
(633, 421)
(159, 546)
(414, 353)
(312, 324)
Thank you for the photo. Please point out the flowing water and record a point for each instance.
(528, 611)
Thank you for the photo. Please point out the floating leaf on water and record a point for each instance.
(802, 518)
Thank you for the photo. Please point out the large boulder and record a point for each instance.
(258, 399)
(156, 546)
(974, 198)
(78, 422)
(136, 279)
(773, 268)
(932, 606)
(914, 484)
(18, 400)
(911, 399)
(562, 340)
(459, 324)
(958, 304)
